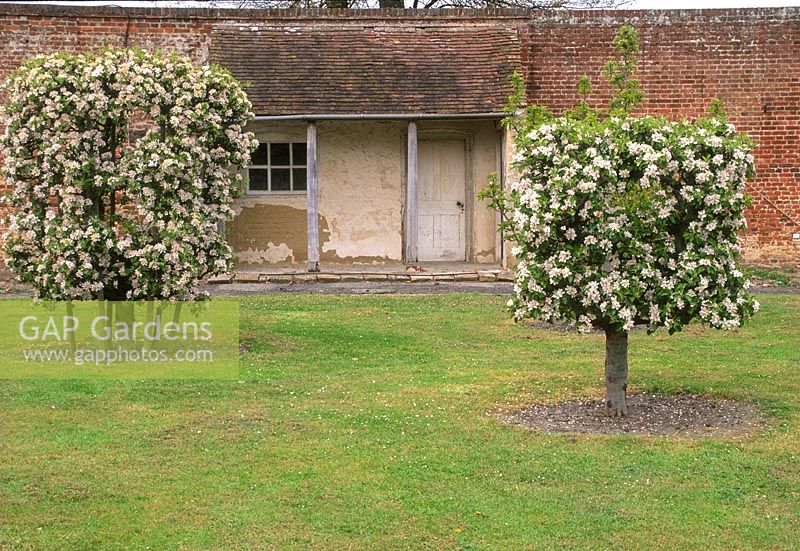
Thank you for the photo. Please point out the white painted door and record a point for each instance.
(441, 185)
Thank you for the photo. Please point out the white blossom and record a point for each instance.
(592, 223)
(173, 185)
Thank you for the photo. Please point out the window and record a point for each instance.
(278, 167)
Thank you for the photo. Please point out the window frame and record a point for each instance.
(269, 166)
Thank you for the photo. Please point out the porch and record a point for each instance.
(372, 194)
(373, 157)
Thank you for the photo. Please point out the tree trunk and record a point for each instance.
(616, 373)
(391, 3)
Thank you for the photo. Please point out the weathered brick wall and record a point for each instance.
(749, 58)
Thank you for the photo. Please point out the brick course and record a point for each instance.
(748, 57)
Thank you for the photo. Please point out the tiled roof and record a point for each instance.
(407, 69)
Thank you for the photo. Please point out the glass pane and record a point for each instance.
(298, 153)
(299, 176)
(280, 179)
(260, 155)
(258, 179)
(279, 154)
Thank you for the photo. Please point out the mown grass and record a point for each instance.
(365, 422)
(773, 276)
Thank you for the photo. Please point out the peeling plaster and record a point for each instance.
(361, 177)
(265, 231)
(485, 257)
(251, 201)
(272, 255)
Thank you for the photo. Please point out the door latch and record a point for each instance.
(460, 205)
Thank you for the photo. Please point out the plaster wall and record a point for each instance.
(361, 171)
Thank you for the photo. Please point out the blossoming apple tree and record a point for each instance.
(619, 220)
(100, 214)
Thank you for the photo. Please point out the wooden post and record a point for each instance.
(411, 217)
(312, 189)
(499, 247)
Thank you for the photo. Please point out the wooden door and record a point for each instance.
(441, 184)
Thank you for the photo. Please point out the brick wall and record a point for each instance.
(749, 58)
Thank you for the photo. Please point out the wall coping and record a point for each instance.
(85, 11)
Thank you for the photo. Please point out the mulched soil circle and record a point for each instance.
(648, 415)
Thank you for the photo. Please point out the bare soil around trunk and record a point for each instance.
(648, 415)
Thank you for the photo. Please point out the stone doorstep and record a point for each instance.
(351, 277)
(247, 277)
(278, 278)
(505, 275)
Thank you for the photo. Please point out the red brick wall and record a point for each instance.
(749, 58)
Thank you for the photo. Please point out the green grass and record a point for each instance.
(364, 422)
(773, 276)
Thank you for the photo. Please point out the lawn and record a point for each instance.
(366, 422)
